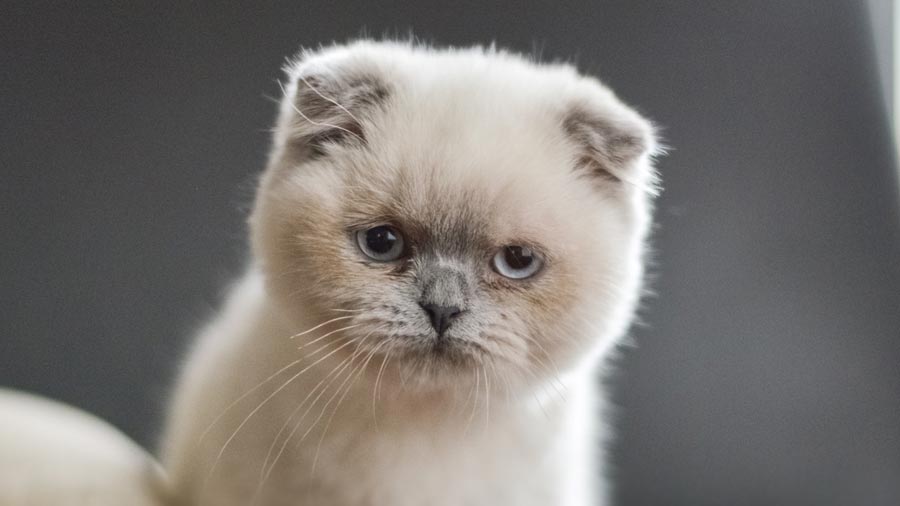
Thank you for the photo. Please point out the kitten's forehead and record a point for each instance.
(464, 172)
(453, 218)
(463, 203)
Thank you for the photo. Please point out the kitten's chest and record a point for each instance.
(510, 463)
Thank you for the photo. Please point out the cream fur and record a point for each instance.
(475, 144)
(55, 455)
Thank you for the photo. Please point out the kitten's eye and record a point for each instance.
(517, 262)
(381, 243)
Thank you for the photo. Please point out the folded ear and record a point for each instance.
(328, 104)
(614, 142)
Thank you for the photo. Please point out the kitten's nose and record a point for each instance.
(441, 316)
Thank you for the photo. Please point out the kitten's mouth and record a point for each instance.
(442, 347)
(429, 350)
(453, 350)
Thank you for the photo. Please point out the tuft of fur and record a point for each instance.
(322, 380)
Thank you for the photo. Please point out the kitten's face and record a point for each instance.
(450, 239)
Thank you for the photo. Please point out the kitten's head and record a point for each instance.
(456, 209)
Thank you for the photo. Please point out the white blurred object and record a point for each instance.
(52, 454)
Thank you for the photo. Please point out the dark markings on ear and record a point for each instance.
(609, 147)
(331, 109)
(347, 133)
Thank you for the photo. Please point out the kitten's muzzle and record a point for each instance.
(444, 295)
(441, 316)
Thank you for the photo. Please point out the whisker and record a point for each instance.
(376, 394)
(487, 400)
(311, 121)
(533, 394)
(316, 400)
(321, 325)
(314, 341)
(556, 377)
(244, 396)
(333, 101)
(342, 365)
(328, 403)
(265, 401)
(266, 470)
(508, 388)
(474, 402)
(341, 400)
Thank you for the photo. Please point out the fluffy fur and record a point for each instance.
(322, 381)
(56, 455)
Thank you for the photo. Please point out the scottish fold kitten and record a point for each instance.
(446, 244)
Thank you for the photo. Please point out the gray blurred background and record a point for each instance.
(768, 372)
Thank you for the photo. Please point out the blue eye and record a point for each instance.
(517, 262)
(382, 243)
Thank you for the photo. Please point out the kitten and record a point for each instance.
(446, 243)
